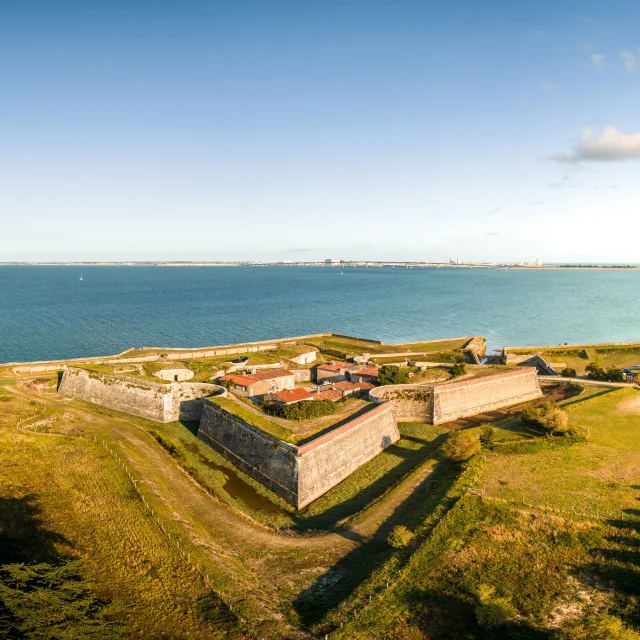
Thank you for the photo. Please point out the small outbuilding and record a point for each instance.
(306, 357)
(174, 373)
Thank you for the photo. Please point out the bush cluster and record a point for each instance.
(391, 374)
(461, 445)
(568, 372)
(458, 369)
(400, 537)
(487, 433)
(307, 409)
(611, 374)
(550, 418)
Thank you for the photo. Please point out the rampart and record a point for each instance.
(412, 402)
(299, 474)
(457, 400)
(447, 402)
(151, 400)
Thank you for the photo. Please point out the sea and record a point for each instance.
(48, 312)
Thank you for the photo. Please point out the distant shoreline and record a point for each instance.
(351, 265)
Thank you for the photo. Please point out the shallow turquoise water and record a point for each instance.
(47, 312)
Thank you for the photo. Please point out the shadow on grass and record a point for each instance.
(328, 519)
(23, 536)
(616, 571)
(411, 459)
(449, 616)
(344, 577)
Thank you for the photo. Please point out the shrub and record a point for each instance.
(555, 421)
(400, 537)
(487, 433)
(458, 370)
(391, 374)
(531, 417)
(549, 417)
(307, 409)
(583, 354)
(493, 611)
(598, 627)
(461, 445)
(568, 372)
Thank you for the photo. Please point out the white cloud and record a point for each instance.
(608, 144)
(547, 86)
(629, 60)
(598, 60)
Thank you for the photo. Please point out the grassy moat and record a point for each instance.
(119, 527)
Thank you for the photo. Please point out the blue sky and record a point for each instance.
(304, 130)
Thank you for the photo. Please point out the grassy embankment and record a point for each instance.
(365, 485)
(76, 540)
(579, 357)
(547, 546)
(351, 346)
(123, 557)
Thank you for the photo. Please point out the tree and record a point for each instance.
(595, 371)
(400, 537)
(391, 374)
(487, 433)
(461, 445)
(458, 370)
(568, 372)
(615, 375)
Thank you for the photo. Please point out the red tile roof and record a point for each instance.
(242, 381)
(334, 366)
(294, 395)
(270, 374)
(346, 386)
(367, 371)
(330, 394)
(353, 386)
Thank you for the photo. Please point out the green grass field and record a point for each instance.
(72, 503)
(606, 356)
(544, 546)
(350, 346)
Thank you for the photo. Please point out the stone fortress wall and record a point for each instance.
(447, 402)
(327, 460)
(457, 400)
(151, 400)
(299, 474)
(412, 402)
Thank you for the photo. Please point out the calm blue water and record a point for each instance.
(46, 312)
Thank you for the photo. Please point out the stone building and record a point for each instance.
(174, 372)
(333, 371)
(260, 383)
(364, 374)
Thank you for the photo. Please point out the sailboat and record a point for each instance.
(81, 278)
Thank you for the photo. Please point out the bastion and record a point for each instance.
(152, 400)
(441, 403)
(299, 474)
